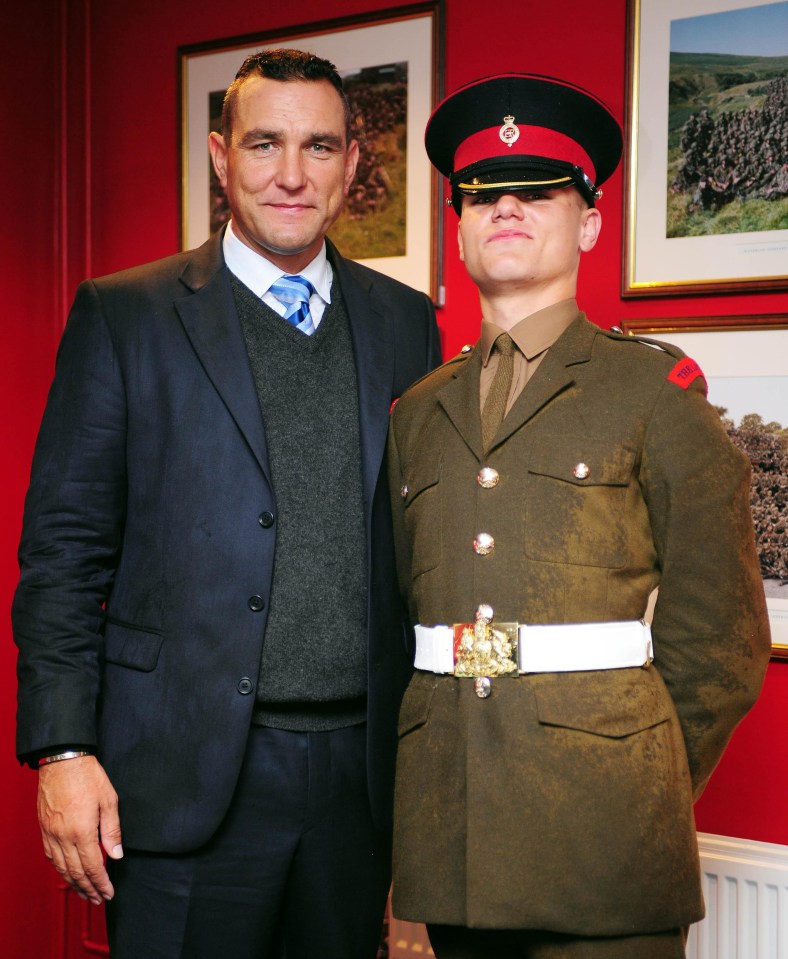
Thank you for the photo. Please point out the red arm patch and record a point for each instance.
(684, 372)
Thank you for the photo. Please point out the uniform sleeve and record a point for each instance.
(72, 527)
(711, 632)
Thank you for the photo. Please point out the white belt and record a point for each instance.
(570, 647)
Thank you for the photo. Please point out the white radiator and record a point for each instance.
(745, 885)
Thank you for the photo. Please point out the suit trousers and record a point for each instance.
(297, 867)
(457, 942)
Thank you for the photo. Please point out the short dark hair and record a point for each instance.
(283, 65)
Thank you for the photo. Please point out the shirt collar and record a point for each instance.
(534, 334)
(258, 273)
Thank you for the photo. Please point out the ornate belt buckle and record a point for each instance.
(484, 649)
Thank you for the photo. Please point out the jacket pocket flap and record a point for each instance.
(591, 462)
(420, 477)
(132, 647)
(416, 705)
(603, 711)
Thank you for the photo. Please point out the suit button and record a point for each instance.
(245, 686)
(256, 603)
(484, 544)
(266, 519)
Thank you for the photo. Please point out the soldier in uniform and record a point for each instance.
(546, 483)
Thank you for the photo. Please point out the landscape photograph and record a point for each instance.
(728, 122)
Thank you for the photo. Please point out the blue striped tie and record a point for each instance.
(293, 293)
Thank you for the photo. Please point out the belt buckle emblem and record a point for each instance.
(485, 649)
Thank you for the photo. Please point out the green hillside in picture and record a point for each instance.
(727, 144)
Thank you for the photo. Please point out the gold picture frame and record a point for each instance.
(673, 192)
(743, 361)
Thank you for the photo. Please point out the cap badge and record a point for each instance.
(509, 132)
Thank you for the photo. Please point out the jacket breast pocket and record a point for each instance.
(575, 502)
(131, 646)
(423, 515)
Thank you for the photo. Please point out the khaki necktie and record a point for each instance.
(495, 404)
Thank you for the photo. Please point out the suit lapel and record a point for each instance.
(371, 332)
(210, 318)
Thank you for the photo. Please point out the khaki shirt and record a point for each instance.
(533, 337)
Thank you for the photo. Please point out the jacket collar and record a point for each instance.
(371, 330)
(557, 371)
(210, 318)
(208, 313)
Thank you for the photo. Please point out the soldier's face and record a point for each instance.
(288, 167)
(524, 240)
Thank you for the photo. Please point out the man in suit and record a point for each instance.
(544, 484)
(211, 646)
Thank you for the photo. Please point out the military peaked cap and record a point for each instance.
(523, 132)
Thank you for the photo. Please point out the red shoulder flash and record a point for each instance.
(684, 372)
(393, 404)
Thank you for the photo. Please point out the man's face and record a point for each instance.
(288, 168)
(525, 240)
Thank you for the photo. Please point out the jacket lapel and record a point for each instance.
(371, 333)
(556, 372)
(210, 318)
(460, 399)
(460, 396)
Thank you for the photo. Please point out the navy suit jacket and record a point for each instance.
(143, 553)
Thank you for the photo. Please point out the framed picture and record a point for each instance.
(707, 173)
(391, 65)
(744, 365)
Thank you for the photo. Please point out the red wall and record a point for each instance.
(90, 184)
(31, 323)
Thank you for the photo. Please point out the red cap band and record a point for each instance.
(532, 141)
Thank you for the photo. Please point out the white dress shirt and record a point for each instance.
(258, 273)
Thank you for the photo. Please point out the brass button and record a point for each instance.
(484, 611)
(404, 491)
(482, 686)
(581, 471)
(467, 348)
(484, 544)
(487, 477)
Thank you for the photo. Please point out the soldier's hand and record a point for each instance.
(78, 815)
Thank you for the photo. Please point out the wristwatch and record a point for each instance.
(66, 754)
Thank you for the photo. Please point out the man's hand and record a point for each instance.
(77, 809)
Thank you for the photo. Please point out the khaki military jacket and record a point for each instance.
(564, 801)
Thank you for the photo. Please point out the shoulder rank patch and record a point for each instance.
(684, 372)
